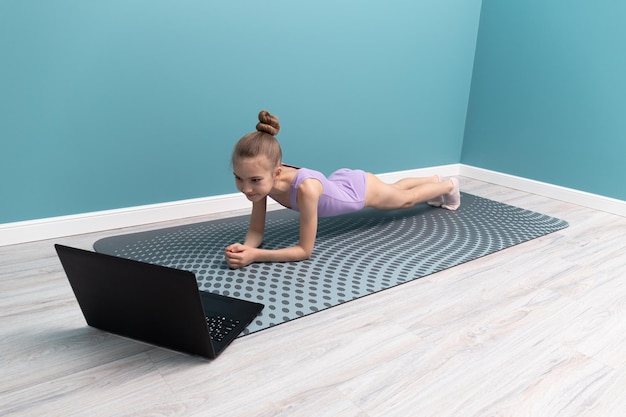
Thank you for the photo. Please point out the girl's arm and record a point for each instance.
(254, 237)
(308, 195)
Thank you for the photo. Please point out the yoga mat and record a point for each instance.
(355, 254)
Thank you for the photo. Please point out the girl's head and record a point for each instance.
(260, 143)
(257, 158)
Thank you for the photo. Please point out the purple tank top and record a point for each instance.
(343, 191)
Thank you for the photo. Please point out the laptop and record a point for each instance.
(153, 304)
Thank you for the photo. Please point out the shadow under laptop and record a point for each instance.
(80, 342)
(74, 349)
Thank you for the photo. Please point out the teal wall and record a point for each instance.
(120, 103)
(548, 95)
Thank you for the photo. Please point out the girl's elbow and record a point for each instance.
(306, 253)
(302, 251)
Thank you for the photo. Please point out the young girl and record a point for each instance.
(259, 173)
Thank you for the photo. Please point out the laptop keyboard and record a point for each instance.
(220, 326)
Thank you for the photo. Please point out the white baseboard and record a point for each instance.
(569, 195)
(55, 227)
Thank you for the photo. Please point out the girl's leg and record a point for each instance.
(408, 183)
(437, 201)
(385, 196)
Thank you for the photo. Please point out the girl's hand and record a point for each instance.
(238, 255)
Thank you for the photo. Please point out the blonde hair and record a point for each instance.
(261, 142)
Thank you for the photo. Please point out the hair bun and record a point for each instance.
(268, 123)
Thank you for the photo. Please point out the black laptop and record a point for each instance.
(153, 304)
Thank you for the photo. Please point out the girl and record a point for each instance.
(259, 173)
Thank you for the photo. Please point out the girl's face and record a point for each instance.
(255, 177)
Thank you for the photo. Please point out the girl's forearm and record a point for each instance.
(290, 254)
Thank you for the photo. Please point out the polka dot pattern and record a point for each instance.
(355, 254)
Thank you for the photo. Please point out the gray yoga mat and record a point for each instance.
(355, 254)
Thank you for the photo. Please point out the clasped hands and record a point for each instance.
(238, 255)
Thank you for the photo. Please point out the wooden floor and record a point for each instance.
(538, 329)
